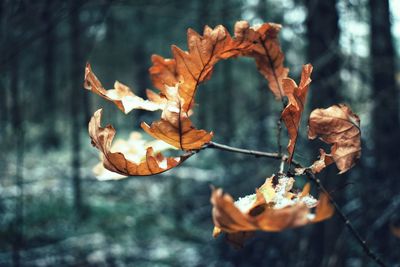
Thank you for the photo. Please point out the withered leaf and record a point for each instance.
(102, 138)
(187, 69)
(291, 115)
(163, 72)
(339, 127)
(175, 127)
(121, 95)
(192, 67)
(266, 51)
(269, 209)
(133, 149)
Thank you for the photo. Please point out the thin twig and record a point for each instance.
(278, 136)
(346, 220)
(311, 176)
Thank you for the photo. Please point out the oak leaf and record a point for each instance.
(133, 150)
(297, 95)
(121, 95)
(175, 127)
(272, 208)
(266, 51)
(187, 69)
(191, 68)
(339, 127)
(102, 138)
(163, 72)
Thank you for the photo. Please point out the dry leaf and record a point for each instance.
(291, 115)
(266, 51)
(102, 138)
(271, 208)
(133, 150)
(192, 67)
(187, 70)
(121, 95)
(163, 72)
(340, 127)
(175, 127)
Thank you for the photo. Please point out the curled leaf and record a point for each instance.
(274, 207)
(339, 127)
(163, 72)
(291, 115)
(102, 138)
(121, 95)
(191, 68)
(187, 69)
(175, 127)
(266, 51)
(133, 150)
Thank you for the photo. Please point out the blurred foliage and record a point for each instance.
(165, 220)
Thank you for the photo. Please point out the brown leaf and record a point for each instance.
(133, 149)
(269, 209)
(102, 138)
(163, 72)
(266, 51)
(121, 95)
(187, 70)
(324, 209)
(340, 127)
(291, 115)
(191, 68)
(175, 127)
(322, 163)
(196, 65)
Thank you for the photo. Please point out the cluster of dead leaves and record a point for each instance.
(177, 80)
(274, 207)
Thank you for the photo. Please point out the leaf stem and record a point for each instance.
(311, 176)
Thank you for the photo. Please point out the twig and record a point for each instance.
(311, 176)
(241, 151)
(346, 220)
(278, 136)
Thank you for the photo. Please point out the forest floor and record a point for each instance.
(148, 221)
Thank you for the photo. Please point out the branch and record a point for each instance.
(346, 220)
(255, 153)
(311, 176)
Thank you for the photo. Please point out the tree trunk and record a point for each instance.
(385, 118)
(3, 86)
(225, 93)
(323, 52)
(204, 104)
(263, 105)
(19, 141)
(75, 100)
(140, 61)
(50, 138)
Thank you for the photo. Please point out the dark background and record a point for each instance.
(53, 212)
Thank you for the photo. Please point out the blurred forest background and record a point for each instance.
(53, 211)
